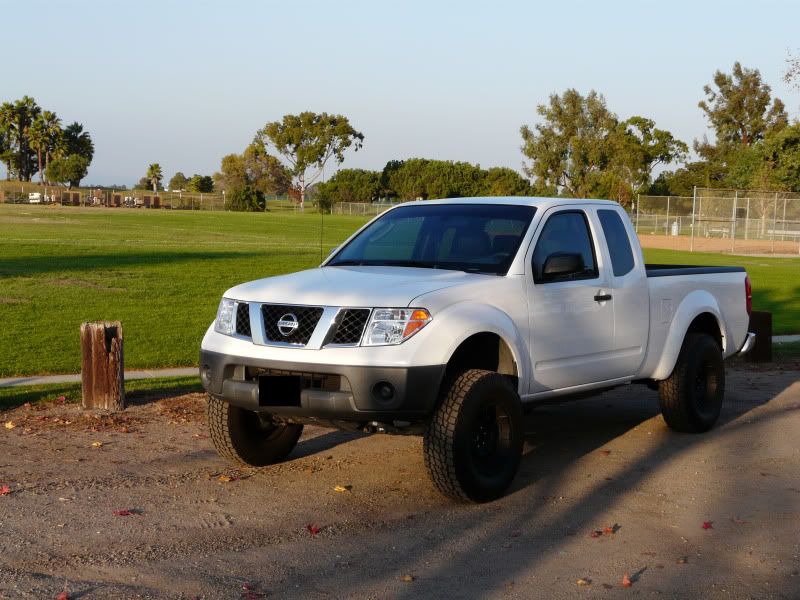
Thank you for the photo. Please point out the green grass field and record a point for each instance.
(162, 273)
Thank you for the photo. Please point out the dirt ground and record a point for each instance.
(718, 244)
(140, 506)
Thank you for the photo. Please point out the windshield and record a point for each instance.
(480, 238)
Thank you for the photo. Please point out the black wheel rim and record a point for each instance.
(490, 440)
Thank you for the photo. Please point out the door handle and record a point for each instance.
(602, 297)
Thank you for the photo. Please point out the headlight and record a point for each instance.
(226, 317)
(394, 325)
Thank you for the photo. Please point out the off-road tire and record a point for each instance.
(691, 398)
(467, 458)
(246, 437)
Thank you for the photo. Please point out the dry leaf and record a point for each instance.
(124, 512)
(596, 533)
(584, 581)
(312, 529)
(63, 596)
(682, 560)
(626, 581)
(226, 478)
(97, 444)
(4, 490)
(407, 578)
(605, 452)
(342, 488)
(708, 524)
(9, 425)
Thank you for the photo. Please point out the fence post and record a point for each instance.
(102, 366)
(747, 219)
(667, 232)
(733, 224)
(694, 202)
(774, 219)
(638, 202)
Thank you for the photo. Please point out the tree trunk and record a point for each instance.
(41, 173)
(102, 370)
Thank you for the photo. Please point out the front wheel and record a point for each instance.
(691, 398)
(249, 437)
(473, 444)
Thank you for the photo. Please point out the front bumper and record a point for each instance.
(235, 380)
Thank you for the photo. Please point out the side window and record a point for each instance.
(565, 233)
(619, 245)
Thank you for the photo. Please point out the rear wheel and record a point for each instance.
(691, 398)
(249, 437)
(473, 444)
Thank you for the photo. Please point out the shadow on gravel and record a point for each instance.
(324, 442)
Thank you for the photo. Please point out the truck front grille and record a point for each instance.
(243, 319)
(306, 318)
(349, 326)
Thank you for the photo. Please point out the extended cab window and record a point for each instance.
(564, 250)
(619, 246)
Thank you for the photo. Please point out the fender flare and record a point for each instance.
(468, 319)
(693, 305)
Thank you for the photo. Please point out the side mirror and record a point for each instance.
(561, 265)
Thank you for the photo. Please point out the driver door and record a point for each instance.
(571, 325)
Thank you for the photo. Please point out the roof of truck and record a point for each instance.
(519, 200)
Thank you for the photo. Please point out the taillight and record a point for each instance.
(748, 292)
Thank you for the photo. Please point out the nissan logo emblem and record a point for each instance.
(287, 324)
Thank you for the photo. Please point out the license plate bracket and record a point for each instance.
(279, 390)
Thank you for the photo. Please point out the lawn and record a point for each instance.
(162, 273)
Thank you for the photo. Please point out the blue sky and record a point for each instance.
(184, 83)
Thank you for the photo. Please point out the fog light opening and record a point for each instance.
(205, 375)
(383, 390)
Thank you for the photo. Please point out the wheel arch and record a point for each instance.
(698, 313)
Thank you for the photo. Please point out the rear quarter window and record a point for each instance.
(619, 245)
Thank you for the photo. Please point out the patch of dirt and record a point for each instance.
(139, 505)
(710, 244)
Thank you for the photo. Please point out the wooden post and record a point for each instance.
(102, 375)
(761, 325)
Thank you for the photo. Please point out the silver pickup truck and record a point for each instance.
(446, 318)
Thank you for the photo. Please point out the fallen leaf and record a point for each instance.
(9, 425)
(407, 578)
(226, 478)
(738, 521)
(611, 530)
(607, 586)
(596, 533)
(4, 490)
(27, 405)
(584, 581)
(97, 444)
(63, 596)
(605, 452)
(61, 399)
(682, 560)
(312, 529)
(626, 581)
(342, 488)
(124, 512)
(708, 524)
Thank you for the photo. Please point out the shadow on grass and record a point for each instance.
(32, 265)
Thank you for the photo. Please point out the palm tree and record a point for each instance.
(37, 140)
(154, 175)
(74, 140)
(6, 136)
(52, 127)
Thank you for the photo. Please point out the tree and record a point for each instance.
(15, 120)
(74, 140)
(350, 185)
(178, 182)
(38, 140)
(265, 171)
(154, 176)
(200, 183)
(307, 141)
(792, 73)
(502, 181)
(68, 169)
(639, 146)
(245, 198)
(740, 109)
(51, 125)
(142, 184)
(571, 149)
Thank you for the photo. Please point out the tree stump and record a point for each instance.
(761, 325)
(102, 375)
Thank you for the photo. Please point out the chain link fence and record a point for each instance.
(715, 220)
(361, 208)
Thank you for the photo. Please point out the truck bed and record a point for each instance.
(656, 270)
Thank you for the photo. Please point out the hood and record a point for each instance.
(351, 286)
